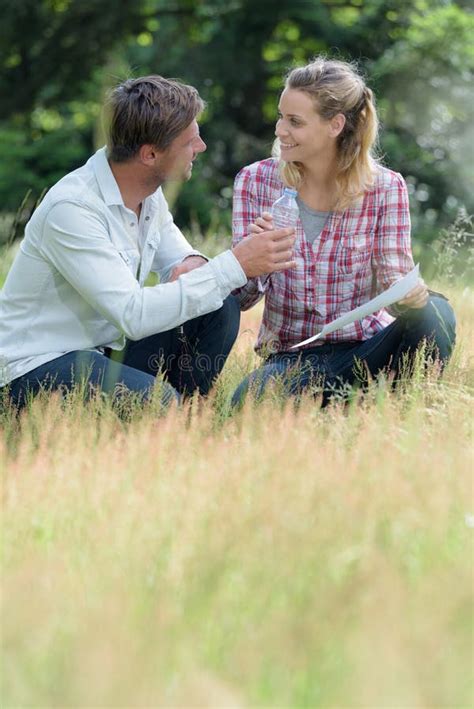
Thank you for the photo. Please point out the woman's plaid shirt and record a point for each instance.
(359, 253)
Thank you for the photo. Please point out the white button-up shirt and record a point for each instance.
(78, 279)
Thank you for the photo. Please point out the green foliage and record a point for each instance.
(455, 250)
(34, 160)
(426, 102)
(49, 48)
(416, 54)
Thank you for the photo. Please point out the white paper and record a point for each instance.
(390, 296)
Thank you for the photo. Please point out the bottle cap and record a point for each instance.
(290, 191)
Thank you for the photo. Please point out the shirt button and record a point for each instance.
(132, 224)
(147, 219)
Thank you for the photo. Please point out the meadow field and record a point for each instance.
(281, 556)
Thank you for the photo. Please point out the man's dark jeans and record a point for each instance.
(190, 357)
(337, 367)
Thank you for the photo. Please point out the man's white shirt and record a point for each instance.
(78, 280)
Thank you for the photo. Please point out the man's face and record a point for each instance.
(176, 161)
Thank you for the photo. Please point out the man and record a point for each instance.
(76, 291)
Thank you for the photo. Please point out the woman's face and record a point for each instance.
(303, 134)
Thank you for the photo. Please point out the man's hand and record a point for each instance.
(266, 250)
(416, 298)
(189, 264)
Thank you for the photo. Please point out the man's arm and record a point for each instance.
(76, 242)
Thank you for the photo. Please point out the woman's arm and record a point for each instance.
(392, 256)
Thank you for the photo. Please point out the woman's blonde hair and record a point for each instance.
(337, 87)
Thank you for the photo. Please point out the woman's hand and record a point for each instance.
(416, 298)
(263, 223)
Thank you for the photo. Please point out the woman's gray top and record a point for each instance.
(312, 220)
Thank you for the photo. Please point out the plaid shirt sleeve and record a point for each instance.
(245, 211)
(392, 257)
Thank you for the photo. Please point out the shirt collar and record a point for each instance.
(105, 178)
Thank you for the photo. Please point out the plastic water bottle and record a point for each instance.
(285, 212)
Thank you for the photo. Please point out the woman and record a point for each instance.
(353, 241)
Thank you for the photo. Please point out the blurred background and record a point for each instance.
(59, 58)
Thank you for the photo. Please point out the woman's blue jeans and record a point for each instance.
(334, 368)
(190, 358)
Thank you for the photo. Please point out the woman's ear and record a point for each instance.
(337, 124)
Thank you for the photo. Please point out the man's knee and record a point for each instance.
(230, 315)
(225, 320)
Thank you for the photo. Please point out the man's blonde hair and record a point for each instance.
(149, 110)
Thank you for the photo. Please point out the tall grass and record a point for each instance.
(281, 556)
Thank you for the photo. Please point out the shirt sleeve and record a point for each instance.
(245, 211)
(174, 247)
(392, 256)
(77, 243)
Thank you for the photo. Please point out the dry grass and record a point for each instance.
(277, 557)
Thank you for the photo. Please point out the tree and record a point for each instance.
(416, 54)
(49, 48)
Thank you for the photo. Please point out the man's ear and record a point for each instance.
(148, 154)
(337, 124)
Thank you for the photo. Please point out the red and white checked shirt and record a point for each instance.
(360, 252)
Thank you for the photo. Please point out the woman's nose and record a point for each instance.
(279, 130)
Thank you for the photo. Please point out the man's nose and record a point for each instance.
(201, 146)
